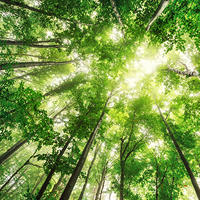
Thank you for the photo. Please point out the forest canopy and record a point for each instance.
(99, 100)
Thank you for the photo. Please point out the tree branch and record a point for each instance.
(118, 17)
(163, 177)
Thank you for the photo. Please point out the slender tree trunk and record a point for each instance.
(157, 13)
(94, 193)
(19, 144)
(102, 189)
(23, 5)
(33, 44)
(12, 150)
(88, 173)
(122, 180)
(101, 181)
(39, 181)
(34, 64)
(68, 189)
(193, 180)
(16, 54)
(8, 181)
(16, 181)
(43, 188)
(110, 196)
(57, 184)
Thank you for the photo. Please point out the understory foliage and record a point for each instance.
(95, 107)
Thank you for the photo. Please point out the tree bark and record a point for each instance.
(102, 189)
(23, 5)
(68, 189)
(88, 173)
(101, 181)
(186, 73)
(32, 44)
(157, 13)
(34, 64)
(12, 150)
(16, 54)
(193, 180)
(122, 181)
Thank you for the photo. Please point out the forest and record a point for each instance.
(99, 100)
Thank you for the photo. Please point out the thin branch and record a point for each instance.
(129, 139)
(137, 144)
(35, 165)
(185, 66)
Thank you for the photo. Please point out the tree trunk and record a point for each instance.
(32, 44)
(101, 181)
(110, 196)
(72, 181)
(39, 181)
(23, 5)
(88, 173)
(8, 181)
(16, 181)
(122, 181)
(43, 188)
(57, 184)
(34, 64)
(18, 145)
(193, 180)
(12, 150)
(16, 54)
(102, 189)
(157, 13)
(94, 193)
